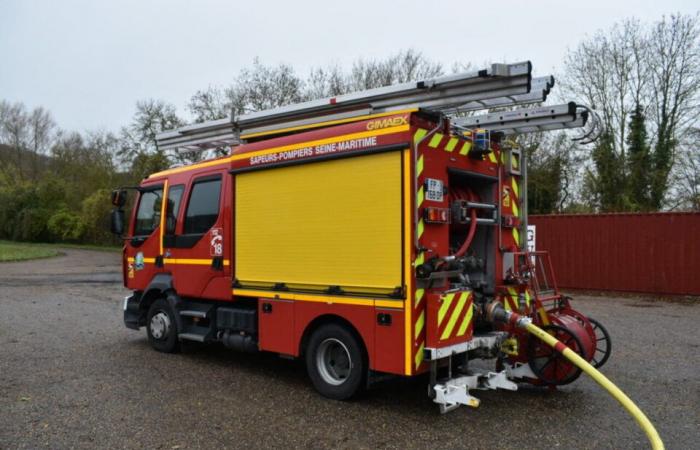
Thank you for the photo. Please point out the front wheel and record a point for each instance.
(162, 327)
(336, 362)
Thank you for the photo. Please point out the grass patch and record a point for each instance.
(99, 248)
(15, 251)
(22, 251)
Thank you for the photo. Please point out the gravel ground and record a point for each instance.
(72, 376)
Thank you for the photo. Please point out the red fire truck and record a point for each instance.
(369, 233)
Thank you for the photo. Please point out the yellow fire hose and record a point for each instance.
(601, 379)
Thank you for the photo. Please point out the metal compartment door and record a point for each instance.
(334, 224)
(450, 318)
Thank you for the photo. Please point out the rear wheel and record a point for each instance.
(162, 327)
(336, 362)
(603, 345)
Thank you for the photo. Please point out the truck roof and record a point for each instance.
(338, 136)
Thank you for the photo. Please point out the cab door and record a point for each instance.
(143, 246)
(196, 246)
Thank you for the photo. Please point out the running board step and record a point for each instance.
(199, 310)
(193, 313)
(192, 337)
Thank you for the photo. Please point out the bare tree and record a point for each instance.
(675, 87)
(264, 87)
(209, 104)
(29, 136)
(13, 134)
(327, 82)
(41, 136)
(651, 69)
(686, 175)
(609, 73)
(404, 66)
(139, 137)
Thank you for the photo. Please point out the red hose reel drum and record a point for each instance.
(578, 329)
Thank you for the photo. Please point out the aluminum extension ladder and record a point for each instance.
(500, 85)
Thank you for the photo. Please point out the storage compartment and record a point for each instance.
(277, 326)
(327, 226)
(237, 319)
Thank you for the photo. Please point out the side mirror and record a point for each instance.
(117, 221)
(119, 198)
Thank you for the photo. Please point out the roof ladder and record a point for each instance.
(437, 94)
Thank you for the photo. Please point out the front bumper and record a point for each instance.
(132, 312)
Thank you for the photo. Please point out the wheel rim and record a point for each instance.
(160, 325)
(333, 361)
(548, 364)
(603, 345)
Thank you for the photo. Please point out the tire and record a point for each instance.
(601, 334)
(336, 362)
(161, 327)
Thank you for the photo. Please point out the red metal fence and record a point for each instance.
(655, 253)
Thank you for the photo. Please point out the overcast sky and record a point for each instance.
(90, 61)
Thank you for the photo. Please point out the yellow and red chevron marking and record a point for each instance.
(419, 309)
(440, 141)
(450, 318)
(511, 299)
(455, 317)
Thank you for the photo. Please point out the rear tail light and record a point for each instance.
(436, 215)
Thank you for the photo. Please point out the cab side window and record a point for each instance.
(203, 205)
(148, 212)
(173, 207)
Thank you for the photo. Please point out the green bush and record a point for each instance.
(66, 226)
(94, 216)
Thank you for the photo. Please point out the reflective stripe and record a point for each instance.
(465, 322)
(419, 355)
(421, 227)
(527, 297)
(514, 205)
(492, 157)
(145, 260)
(435, 140)
(451, 144)
(419, 166)
(328, 140)
(465, 148)
(419, 135)
(183, 261)
(419, 296)
(516, 236)
(324, 124)
(194, 262)
(455, 315)
(420, 197)
(516, 189)
(447, 301)
(420, 259)
(318, 298)
(513, 297)
(419, 324)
